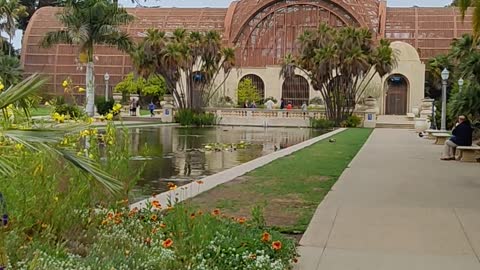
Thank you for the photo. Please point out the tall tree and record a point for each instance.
(88, 23)
(10, 13)
(340, 63)
(188, 61)
(464, 5)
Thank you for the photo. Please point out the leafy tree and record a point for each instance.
(466, 102)
(177, 57)
(464, 5)
(88, 23)
(153, 86)
(10, 70)
(247, 92)
(340, 63)
(433, 77)
(10, 12)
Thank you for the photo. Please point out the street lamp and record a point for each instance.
(445, 75)
(107, 78)
(460, 84)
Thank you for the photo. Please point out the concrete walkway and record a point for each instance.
(397, 207)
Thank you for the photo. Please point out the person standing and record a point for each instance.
(151, 107)
(304, 109)
(253, 105)
(282, 104)
(246, 105)
(289, 106)
(132, 102)
(269, 104)
(461, 136)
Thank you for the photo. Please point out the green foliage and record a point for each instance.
(247, 92)
(352, 121)
(188, 117)
(341, 62)
(103, 106)
(322, 123)
(153, 86)
(10, 70)
(316, 101)
(182, 238)
(71, 110)
(466, 102)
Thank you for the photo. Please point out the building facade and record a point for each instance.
(263, 32)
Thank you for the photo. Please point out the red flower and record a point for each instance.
(265, 237)
(276, 245)
(167, 243)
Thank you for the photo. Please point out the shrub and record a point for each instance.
(322, 123)
(103, 106)
(188, 117)
(247, 92)
(352, 121)
(317, 101)
(71, 110)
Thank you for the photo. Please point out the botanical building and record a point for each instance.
(263, 32)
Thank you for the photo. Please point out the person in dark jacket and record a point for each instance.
(461, 136)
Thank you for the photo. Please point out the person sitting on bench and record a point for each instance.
(461, 136)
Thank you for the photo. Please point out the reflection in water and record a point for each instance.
(176, 154)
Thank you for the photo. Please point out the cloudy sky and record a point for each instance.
(225, 3)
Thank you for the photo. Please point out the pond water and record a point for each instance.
(178, 154)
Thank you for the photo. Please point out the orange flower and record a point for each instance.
(154, 217)
(216, 212)
(167, 243)
(200, 182)
(110, 215)
(163, 225)
(154, 230)
(104, 222)
(118, 221)
(156, 204)
(265, 237)
(192, 215)
(241, 220)
(132, 212)
(276, 245)
(171, 186)
(200, 212)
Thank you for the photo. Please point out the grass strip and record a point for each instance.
(288, 189)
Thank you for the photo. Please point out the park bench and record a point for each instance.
(441, 138)
(430, 133)
(410, 116)
(468, 153)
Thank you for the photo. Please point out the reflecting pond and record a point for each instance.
(179, 155)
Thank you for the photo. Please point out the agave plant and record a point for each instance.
(15, 132)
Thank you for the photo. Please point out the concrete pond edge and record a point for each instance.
(207, 183)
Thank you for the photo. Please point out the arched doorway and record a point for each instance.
(296, 90)
(257, 82)
(397, 95)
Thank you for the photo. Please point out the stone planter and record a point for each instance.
(117, 97)
(421, 124)
(168, 99)
(370, 102)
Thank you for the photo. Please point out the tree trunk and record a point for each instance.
(90, 91)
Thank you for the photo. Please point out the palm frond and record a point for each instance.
(52, 38)
(21, 90)
(92, 168)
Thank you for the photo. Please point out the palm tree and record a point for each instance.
(88, 23)
(340, 63)
(464, 5)
(11, 11)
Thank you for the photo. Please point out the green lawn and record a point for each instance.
(41, 111)
(289, 189)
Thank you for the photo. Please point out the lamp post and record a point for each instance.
(445, 75)
(460, 84)
(107, 78)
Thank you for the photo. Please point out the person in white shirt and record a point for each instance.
(269, 104)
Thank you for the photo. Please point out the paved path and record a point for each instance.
(398, 207)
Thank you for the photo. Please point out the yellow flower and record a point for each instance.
(19, 146)
(81, 89)
(65, 84)
(117, 106)
(47, 104)
(109, 116)
(90, 156)
(2, 86)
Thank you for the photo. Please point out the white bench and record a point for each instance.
(468, 153)
(430, 133)
(441, 138)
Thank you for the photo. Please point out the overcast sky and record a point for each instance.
(225, 3)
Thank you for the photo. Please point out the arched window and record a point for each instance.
(295, 90)
(257, 82)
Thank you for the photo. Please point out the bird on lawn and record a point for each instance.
(333, 140)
